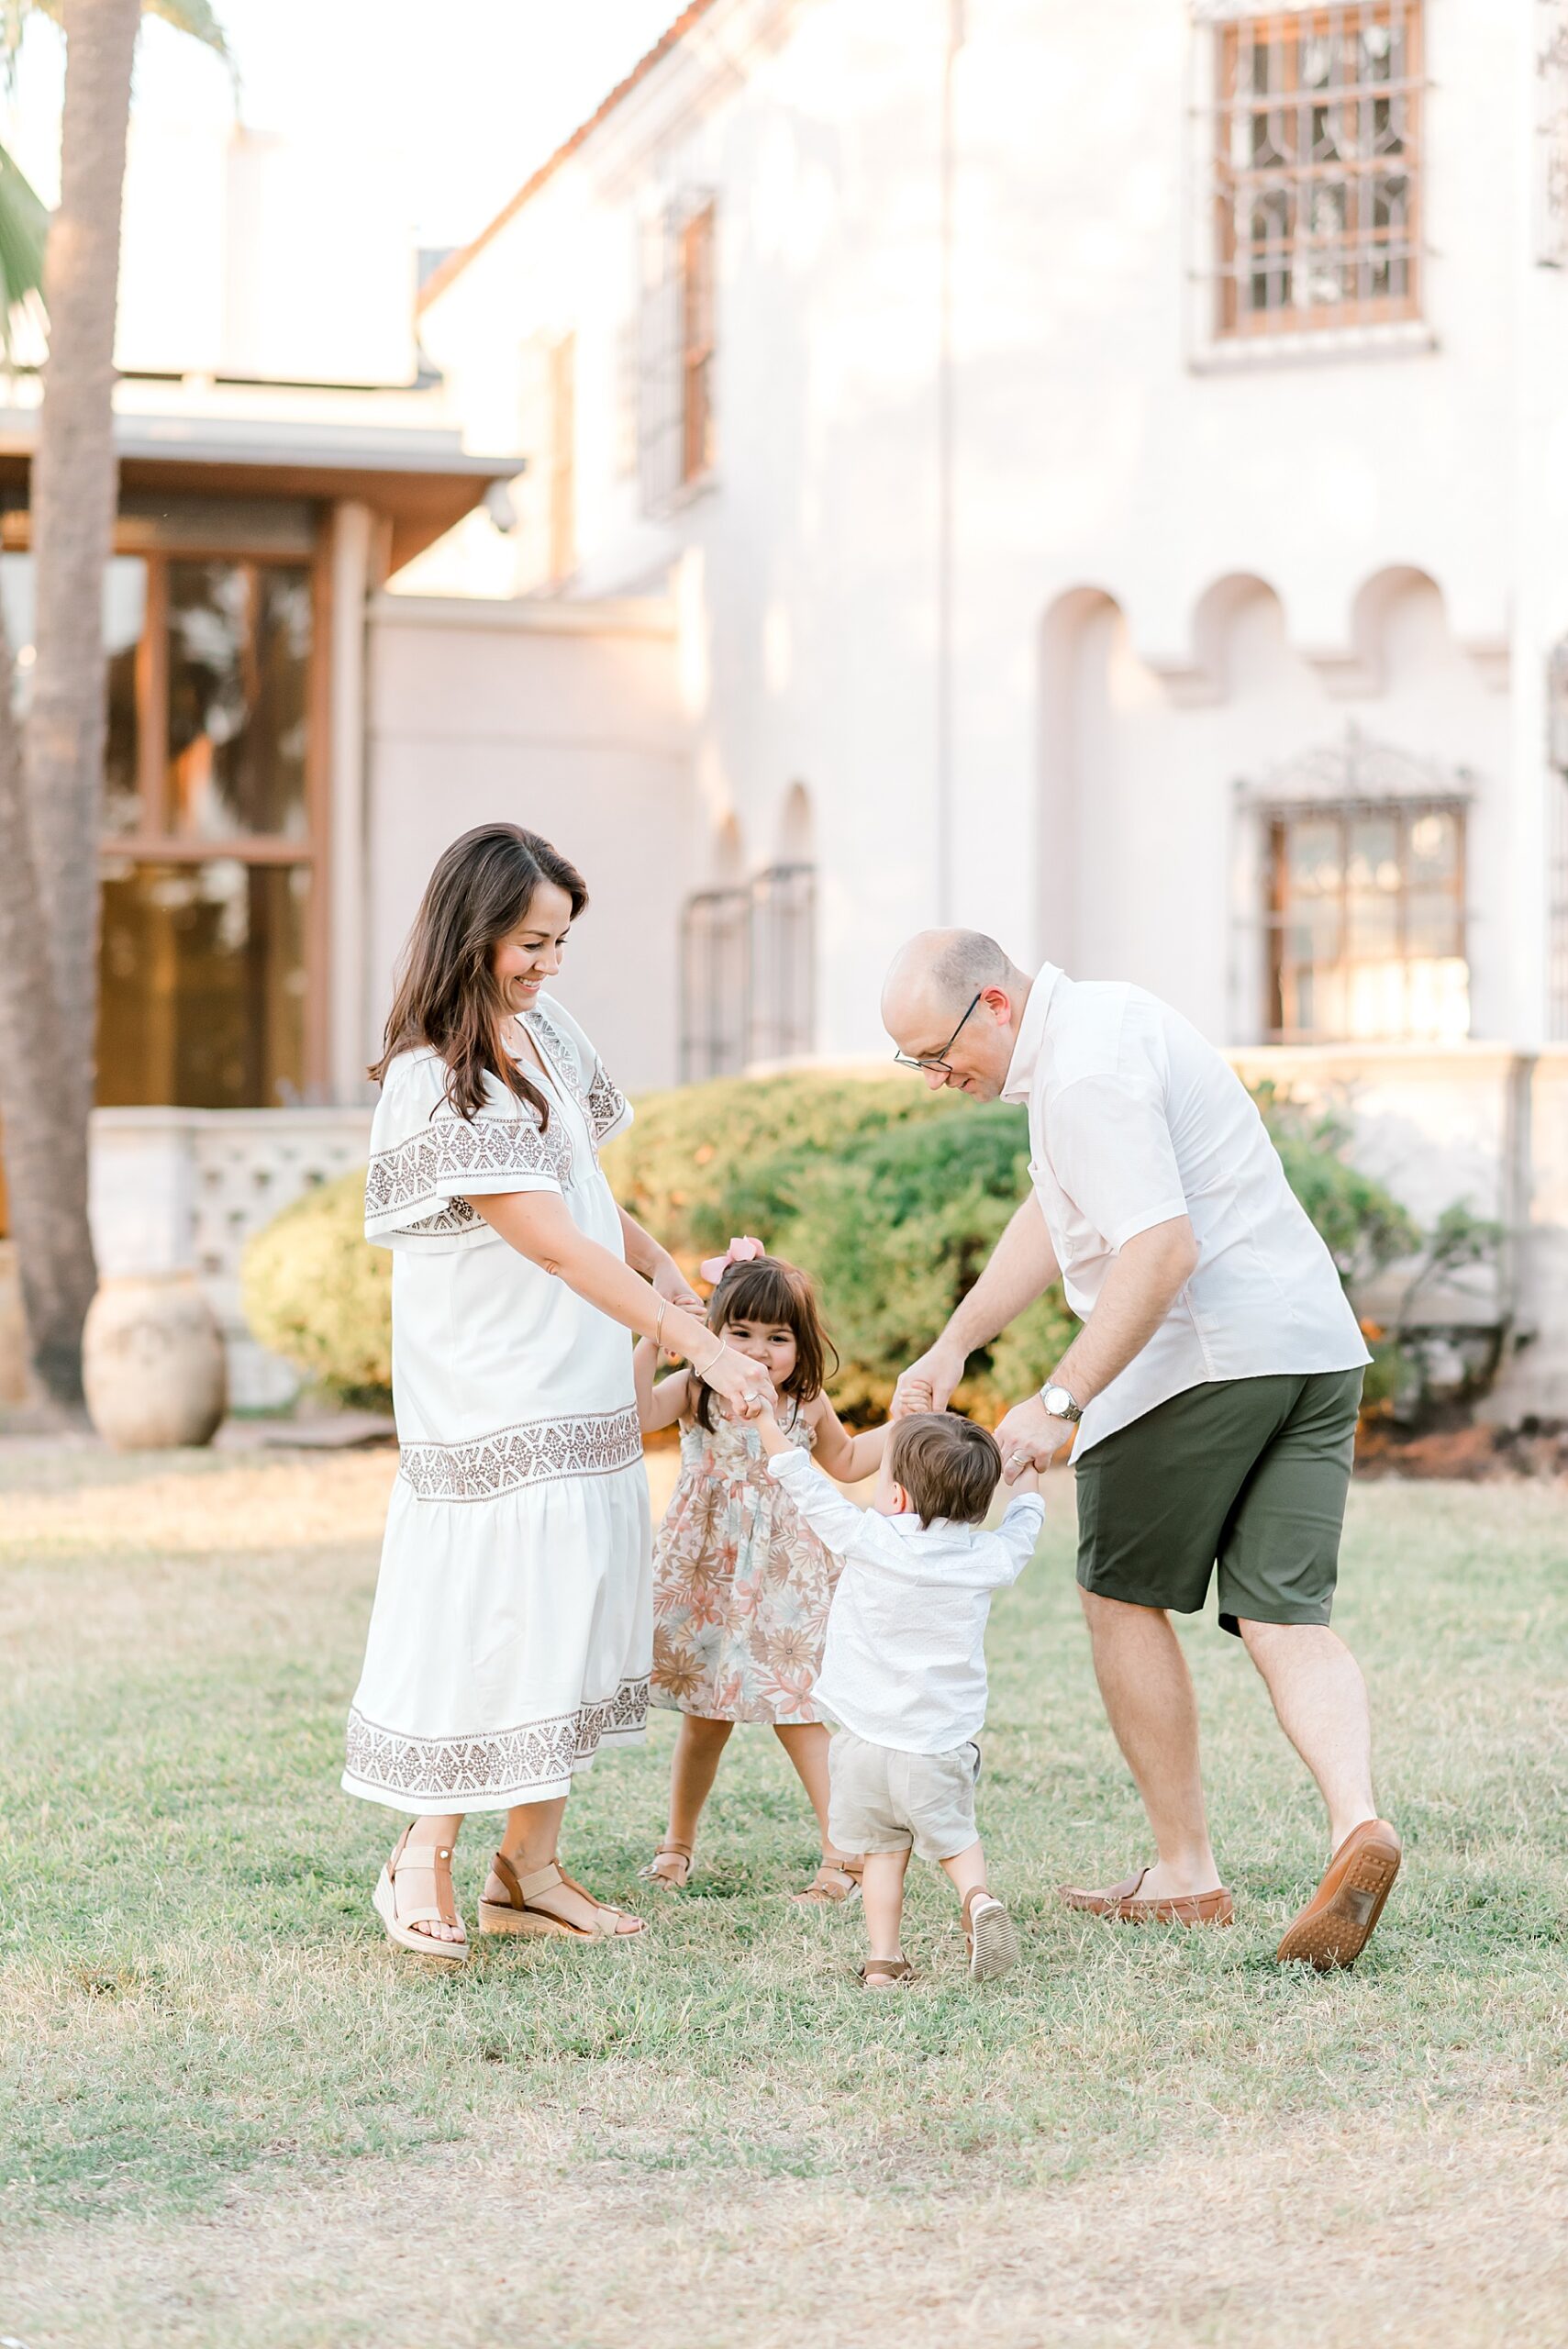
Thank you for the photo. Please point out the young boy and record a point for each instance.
(904, 1669)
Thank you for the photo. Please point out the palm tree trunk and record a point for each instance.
(46, 1168)
(74, 484)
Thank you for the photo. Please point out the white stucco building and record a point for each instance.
(1099, 474)
(1110, 485)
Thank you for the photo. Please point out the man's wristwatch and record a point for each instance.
(1060, 1404)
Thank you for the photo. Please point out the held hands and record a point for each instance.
(1029, 1437)
(928, 1384)
(738, 1381)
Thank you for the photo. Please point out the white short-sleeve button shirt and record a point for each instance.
(1134, 1120)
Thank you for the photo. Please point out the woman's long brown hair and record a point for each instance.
(447, 995)
(768, 1290)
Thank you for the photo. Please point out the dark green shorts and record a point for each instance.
(1248, 1473)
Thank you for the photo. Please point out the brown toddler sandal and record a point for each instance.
(400, 1928)
(885, 1974)
(1337, 1922)
(520, 1912)
(835, 1881)
(988, 1928)
(1121, 1902)
(653, 1873)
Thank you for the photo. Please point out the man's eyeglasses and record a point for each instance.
(937, 1060)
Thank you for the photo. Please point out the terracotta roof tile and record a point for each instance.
(439, 279)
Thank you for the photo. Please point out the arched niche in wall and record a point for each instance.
(797, 829)
(1081, 635)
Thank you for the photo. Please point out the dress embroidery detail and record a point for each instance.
(493, 1764)
(535, 1451)
(606, 1103)
(450, 1147)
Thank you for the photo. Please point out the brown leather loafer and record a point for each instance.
(1337, 1922)
(1121, 1901)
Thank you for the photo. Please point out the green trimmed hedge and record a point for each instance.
(891, 1196)
(312, 1289)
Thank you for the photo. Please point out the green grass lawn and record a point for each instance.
(232, 2114)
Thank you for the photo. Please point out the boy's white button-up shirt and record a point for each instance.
(905, 1659)
(1134, 1120)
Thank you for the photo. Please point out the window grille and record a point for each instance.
(783, 956)
(747, 973)
(1316, 160)
(696, 345)
(675, 345)
(715, 984)
(1366, 925)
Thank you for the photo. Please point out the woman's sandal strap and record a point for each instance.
(895, 1969)
(436, 1860)
(523, 1891)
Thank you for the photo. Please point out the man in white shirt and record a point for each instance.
(904, 1666)
(1214, 1387)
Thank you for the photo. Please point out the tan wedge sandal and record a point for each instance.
(400, 1930)
(519, 1914)
(652, 1873)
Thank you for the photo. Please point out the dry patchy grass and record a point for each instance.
(235, 2116)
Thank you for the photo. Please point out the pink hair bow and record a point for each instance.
(739, 1252)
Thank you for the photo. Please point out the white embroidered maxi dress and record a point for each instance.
(512, 1630)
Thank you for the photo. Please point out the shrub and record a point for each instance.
(315, 1291)
(712, 1160)
(895, 1231)
(891, 1197)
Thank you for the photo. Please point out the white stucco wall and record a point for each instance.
(1097, 446)
(567, 720)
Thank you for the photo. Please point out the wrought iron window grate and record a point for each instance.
(1366, 921)
(1316, 159)
(748, 973)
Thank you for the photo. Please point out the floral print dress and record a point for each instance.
(741, 1588)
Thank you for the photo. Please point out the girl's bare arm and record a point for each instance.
(846, 1458)
(661, 1405)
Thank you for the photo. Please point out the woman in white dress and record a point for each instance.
(512, 1632)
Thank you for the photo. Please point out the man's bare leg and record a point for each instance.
(1148, 1695)
(1319, 1699)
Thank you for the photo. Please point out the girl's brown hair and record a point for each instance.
(768, 1290)
(447, 995)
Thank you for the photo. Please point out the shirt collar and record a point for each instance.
(1032, 1034)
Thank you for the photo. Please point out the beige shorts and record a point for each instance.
(884, 1800)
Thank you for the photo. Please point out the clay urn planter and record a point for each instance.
(152, 1362)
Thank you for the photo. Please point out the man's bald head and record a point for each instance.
(942, 968)
(933, 985)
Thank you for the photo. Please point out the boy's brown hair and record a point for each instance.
(948, 1465)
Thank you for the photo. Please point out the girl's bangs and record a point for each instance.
(763, 1290)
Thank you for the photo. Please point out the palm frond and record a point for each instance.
(196, 18)
(24, 226)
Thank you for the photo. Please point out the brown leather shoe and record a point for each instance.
(1335, 1924)
(1121, 1901)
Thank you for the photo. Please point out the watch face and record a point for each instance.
(1060, 1404)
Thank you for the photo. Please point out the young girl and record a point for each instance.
(741, 1587)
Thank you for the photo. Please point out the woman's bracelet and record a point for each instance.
(712, 1357)
(659, 1324)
